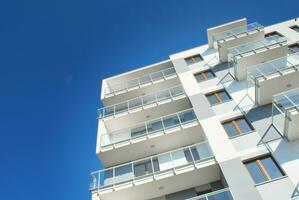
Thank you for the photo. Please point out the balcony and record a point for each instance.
(152, 136)
(285, 113)
(243, 56)
(273, 77)
(157, 175)
(237, 36)
(223, 194)
(127, 87)
(144, 108)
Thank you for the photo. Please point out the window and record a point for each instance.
(193, 59)
(204, 75)
(295, 28)
(273, 34)
(294, 48)
(263, 169)
(237, 126)
(218, 97)
(145, 167)
(194, 154)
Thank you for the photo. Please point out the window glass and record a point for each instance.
(295, 28)
(255, 172)
(230, 130)
(209, 74)
(224, 96)
(243, 125)
(189, 61)
(197, 58)
(199, 77)
(154, 126)
(143, 168)
(272, 169)
(212, 99)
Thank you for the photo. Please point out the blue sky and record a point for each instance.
(53, 55)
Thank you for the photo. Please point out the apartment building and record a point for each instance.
(215, 122)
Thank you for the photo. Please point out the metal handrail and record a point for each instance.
(140, 102)
(237, 31)
(126, 173)
(144, 128)
(212, 194)
(139, 81)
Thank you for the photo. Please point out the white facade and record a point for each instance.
(219, 121)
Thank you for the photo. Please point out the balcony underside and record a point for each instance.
(143, 89)
(155, 143)
(152, 111)
(166, 183)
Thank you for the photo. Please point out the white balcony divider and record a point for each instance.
(234, 32)
(140, 102)
(279, 65)
(149, 127)
(256, 46)
(223, 194)
(151, 167)
(140, 81)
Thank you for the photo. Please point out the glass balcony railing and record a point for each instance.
(149, 128)
(279, 65)
(140, 81)
(223, 194)
(256, 46)
(287, 100)
(152, 168)
(234, 32)
(141, 102)
(282, 104)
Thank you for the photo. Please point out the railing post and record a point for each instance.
(192, 155)
(133, 173)
(113, 179)
(173, 166)
(113, 110)
(179, 119)
(153, 170)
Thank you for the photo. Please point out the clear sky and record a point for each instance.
(53, 55)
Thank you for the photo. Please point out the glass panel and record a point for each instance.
(133, 83)
(195, 153)
(212, 99)
(163, 95)
(149, 99)
(157, 76)
(123, 173)
(255, 172)
(176, 91)
(230, 130)
(187, 116)
(278, 119)
(138, 131)
(271, 167)
(169, 72)
(108, 111)
(224, 96)
(106, 178)
(145, 79)
(244, 126)
(295, 28)
(121, 107)
(154, 126)
(171, 121)
(188, 155)
(221, 196)
(143, 168)
(134, 103)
